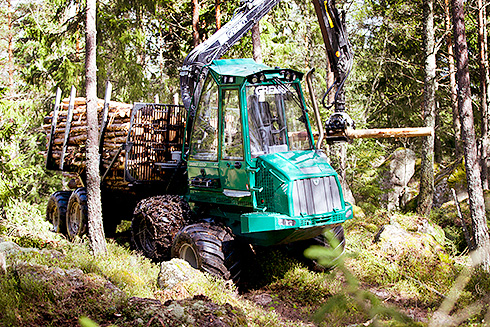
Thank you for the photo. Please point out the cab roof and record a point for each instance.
(241, 67)
(237, 67)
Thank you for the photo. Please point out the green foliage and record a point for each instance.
(447, 218)
(22, 173)
(365, 155)
(268, 265)
(17, 295)
(350, 300)
(417, 269)
(87, 322)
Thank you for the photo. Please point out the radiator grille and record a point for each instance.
(316, 196)
(266, 197)
(156, 130)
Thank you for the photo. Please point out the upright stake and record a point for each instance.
(54, 121)
(69, 117)
(105, 113)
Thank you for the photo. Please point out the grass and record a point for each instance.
(416, 273)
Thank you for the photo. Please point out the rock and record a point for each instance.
(397, 241)
(9, 248)
(175, 272)
(435, 231)
(66, 284)
(262, 299)
(3, 264)
(195, 311)
(392, 234)
(395, 173)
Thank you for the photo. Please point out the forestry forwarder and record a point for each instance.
(244, 167)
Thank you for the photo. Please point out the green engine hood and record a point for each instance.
(295, 165)
(297, 193)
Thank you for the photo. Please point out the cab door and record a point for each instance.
(233, 172)
(203, 160)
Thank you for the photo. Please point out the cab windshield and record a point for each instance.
(277, 121)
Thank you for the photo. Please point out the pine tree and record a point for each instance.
(472, 165)
(95, 225)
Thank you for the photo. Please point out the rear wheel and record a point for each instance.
(210, 248)
(155, 223)
(77, 214)
(56, 210)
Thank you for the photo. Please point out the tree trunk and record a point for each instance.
(437, 140)
(452, 83)
(482, 34)
(475, 191)
(95, 226)
(195, 22)
(218, 14)
(427, 167)
(10, 39)
(257, 47)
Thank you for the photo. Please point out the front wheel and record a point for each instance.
(210, 248)
(77, 214)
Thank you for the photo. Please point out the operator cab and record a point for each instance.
(251, 159)
(246, 110)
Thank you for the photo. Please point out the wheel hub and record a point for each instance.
(188, 254)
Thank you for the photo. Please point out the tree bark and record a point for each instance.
(452, 82)
(482, 35)
(257, 47)
(475, 191)
(95, 226)
(195, 22)
(218, 14)
(426, 194)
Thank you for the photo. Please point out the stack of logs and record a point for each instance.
(115, 136)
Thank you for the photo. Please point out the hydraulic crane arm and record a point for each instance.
(194, 71)
(194, 67)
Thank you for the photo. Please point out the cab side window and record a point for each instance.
(204, 139)
(232, 142)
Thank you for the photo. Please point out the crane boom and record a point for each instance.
(194, 69)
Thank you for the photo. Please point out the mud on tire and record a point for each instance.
(210, 248)
(56, 210)
(156, 221)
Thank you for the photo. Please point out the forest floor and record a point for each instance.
(49, 281)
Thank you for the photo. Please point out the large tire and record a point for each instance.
(56, 210)
(156, 221)
(210, 248)
(77, 214)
